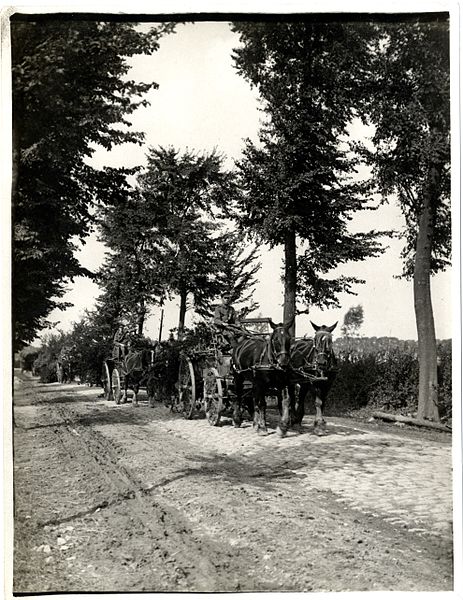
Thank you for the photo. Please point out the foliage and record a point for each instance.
(90, 350)
(236, 275)
(182, 197)
(27, 357)
(70, 95)
(46, 361)
(382, 373)
(353, 320)
(131, 273)
(299, 180)
(410, 108)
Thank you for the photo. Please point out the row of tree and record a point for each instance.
(181, 229)
(168, 236)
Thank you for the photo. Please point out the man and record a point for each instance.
(121, 339)
(225, 319)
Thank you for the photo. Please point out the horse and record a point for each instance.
(264, 361)
(313, 369)
(135, 369)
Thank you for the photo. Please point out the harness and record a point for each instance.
(269, 352)
(311, 363)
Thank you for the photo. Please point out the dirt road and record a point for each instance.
(117, 498)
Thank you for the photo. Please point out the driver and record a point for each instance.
(225, 319)
(120, 342)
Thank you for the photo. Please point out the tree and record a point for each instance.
(299, 181)
(45, 364)
(410, 107)
(27, 356)
(182, 193)
(132, 269)
(70, 95)
(237, 269)
(353, 320)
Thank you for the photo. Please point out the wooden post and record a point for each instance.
(160, 324)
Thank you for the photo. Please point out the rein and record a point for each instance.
(311, 360)
(268, 349)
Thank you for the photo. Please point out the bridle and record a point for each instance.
(269, 353)
(276, 354)
(323, 349)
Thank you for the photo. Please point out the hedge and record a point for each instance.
(382, 373)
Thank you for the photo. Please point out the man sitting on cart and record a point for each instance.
(226, 322)
(120, 342)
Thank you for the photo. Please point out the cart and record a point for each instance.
(112, 379)
(120, 374)
(205, 384)
(206, 377)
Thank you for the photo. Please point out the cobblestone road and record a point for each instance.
(404, 481)
(367, 507)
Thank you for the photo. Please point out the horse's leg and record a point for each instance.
(259, 410)
(150, 389)
(250, 405)
(284, 421)
(136, 387)
(319, 423)
(124, 386)
(237, 416)
(280, 402)
(292, 391)
(298, 401)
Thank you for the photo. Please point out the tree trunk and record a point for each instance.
(181, 318)
(141, 317)
(427, 348)
(289, 309)
(409, 421)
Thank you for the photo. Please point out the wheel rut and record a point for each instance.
(161, 533)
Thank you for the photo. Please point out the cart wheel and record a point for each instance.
(213, 396)
(108, 393)
(116, 386)
(186, 403)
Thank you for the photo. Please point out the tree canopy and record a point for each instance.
(71, 94)
(411, 115)
(184, 195)
(300, 179)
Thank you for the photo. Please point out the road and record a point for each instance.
(117, 498)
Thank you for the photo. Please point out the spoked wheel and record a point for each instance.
(116, 385)
(108, 393)
(213, 396)
(186, 402)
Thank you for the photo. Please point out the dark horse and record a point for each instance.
(313, 369)
(263, 361)
(136, 369)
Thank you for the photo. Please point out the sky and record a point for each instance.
(202, 104)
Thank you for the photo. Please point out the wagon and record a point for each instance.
(111, 378)
(134, 369)
(206, 377)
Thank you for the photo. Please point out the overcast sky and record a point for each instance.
(202, 104)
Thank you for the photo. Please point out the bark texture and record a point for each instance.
(427, 348)
(290, 281)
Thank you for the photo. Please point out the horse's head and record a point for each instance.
(323, 345)
(280, 342)
(149, 354)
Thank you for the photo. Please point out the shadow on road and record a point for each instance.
(239, 472)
